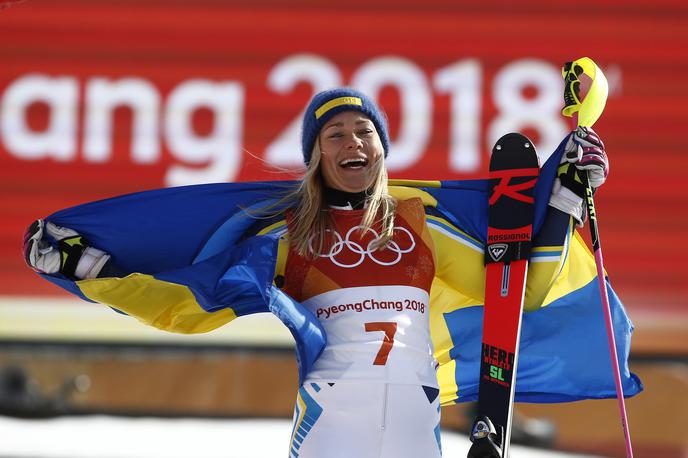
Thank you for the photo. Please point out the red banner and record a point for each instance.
(108, 97)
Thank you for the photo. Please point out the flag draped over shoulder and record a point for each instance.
(196, 269)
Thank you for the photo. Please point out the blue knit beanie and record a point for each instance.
(327, 104)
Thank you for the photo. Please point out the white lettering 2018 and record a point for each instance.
(217, 155)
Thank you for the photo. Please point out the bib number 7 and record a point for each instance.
(390, 329)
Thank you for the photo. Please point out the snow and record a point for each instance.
(116, 437)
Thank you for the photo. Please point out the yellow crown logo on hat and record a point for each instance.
(335, 103)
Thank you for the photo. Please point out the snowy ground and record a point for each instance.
(108, 437)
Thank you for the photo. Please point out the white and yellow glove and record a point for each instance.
(583, 153)
(50, 249)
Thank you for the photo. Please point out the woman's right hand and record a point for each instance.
(67, 253)
(38, 253)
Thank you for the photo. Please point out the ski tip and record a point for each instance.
(514, 150)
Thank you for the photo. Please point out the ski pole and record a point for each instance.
(588, 112)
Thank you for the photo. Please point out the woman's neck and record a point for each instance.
(345, 200)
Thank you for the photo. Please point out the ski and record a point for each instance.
(514, 168)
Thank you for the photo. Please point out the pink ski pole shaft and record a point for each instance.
(592, 108)
(599, 263)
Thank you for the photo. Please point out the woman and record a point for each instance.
(352, 244)
(362, 258)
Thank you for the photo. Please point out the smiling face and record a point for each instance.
(350, 148)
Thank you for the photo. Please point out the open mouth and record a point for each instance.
(354, 163)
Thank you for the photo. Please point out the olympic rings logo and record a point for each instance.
(358, 249)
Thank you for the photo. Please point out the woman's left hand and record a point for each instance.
(585, 150)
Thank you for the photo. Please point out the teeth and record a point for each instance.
(353, 162)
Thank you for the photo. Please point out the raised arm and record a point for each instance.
(584, 151)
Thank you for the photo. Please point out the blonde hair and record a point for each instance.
(311, 218)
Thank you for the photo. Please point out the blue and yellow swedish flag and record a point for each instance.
(198, 265)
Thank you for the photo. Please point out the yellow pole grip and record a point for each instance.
(589, 109)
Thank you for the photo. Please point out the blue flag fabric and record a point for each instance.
(195, 270)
